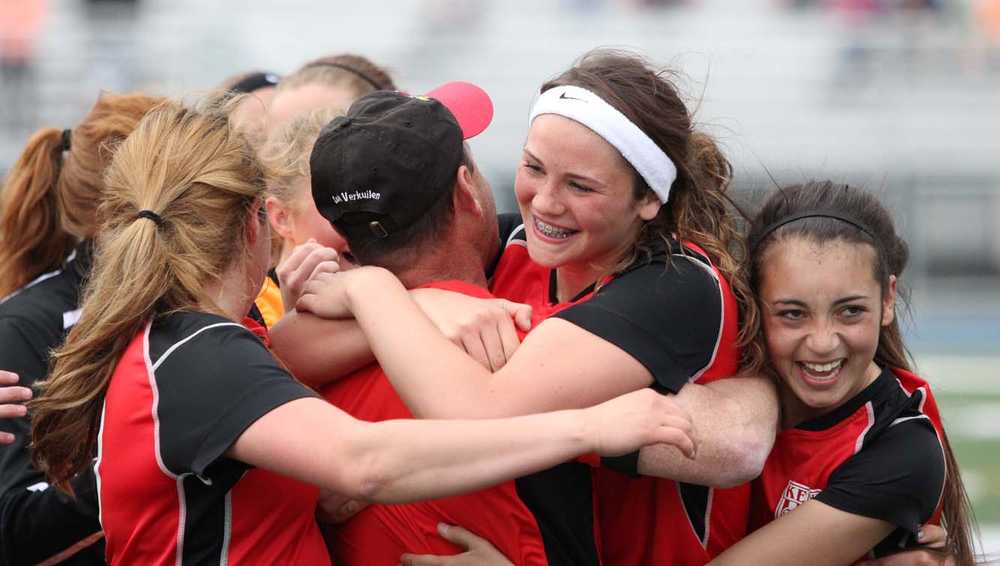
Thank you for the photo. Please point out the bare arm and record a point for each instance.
(736, 421)
(813, 533)
(436, 380)
(317, 351)
(394, 461)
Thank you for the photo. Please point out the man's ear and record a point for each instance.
(280, 216)
(466, 193)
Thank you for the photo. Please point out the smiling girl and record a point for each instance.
(861, 462)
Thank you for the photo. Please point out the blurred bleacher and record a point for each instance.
(902, 100)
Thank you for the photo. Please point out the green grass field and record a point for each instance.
(973, 424)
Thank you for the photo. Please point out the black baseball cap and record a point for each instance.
(381, 166)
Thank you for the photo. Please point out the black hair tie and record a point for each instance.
(67, 138)
(811, 214)
(356, 72)
(149, 214)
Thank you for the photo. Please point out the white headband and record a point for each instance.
(592, 111)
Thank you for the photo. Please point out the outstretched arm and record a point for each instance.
(436, 380)
(736, 421)
(815, 533)
(396, 461)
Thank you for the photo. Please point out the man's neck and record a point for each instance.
(449, 261)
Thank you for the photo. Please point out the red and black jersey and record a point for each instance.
(878, 455)
(36, 521)
(380, 534)
(675, 314)
(183, 392)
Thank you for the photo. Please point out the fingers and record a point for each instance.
(678, 438)
(6, 438)
(422, 560)
(325, 266)
(8, 377)
(12, 411)
(508, 338)
(305, 261)
(521, 314)
(14, 394)
(493, 344)
(459, 536)
(472, 343)
(932, 536)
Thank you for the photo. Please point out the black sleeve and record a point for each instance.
(211, 389)
(24, 351)
(898, 478)
(668, 317)
(36, 525)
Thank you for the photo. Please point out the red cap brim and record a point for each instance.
(470, 105)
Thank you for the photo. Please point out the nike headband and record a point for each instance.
(585, 107)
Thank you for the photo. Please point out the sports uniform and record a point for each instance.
(36, 522)
(878, 455)
(380, 534)
(679, 319)
(183, 392)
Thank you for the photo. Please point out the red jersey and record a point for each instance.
(677, 315)
(183, 392)
(878, 455)
(380, 534)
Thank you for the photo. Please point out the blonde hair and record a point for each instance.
(199, 175)
(286, 154)
(347, 70)
(50, 198)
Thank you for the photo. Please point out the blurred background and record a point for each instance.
(901, 96)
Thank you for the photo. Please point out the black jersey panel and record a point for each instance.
(897, 478)
(696, 500)
(21, 353)
(36, 525)
(508, 224)
(666, 316)
(561, 499)
(211, 388)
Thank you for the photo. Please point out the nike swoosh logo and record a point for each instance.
(563, 96)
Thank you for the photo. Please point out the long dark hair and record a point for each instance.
(861, 209)
(699, 210)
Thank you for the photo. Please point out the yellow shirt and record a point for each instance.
(269, 302)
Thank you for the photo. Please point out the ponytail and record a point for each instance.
(177, 210)
(32, 240)
(51, 196)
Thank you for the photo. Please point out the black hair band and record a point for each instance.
(810, 214)
(150, 215)
(66, 140)
(349, 69)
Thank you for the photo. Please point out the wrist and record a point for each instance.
(367, 280)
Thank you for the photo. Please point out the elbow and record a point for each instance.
(364, 480)
(749, 453)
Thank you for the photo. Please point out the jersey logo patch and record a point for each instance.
(795, 494)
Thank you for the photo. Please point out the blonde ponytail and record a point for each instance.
(195, 180)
